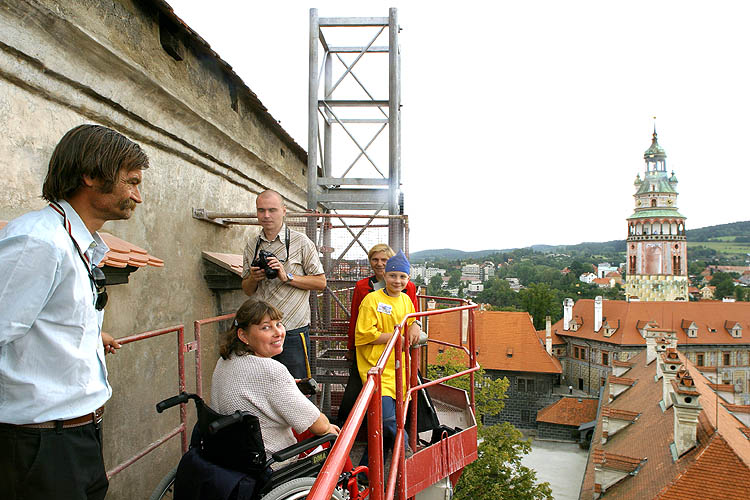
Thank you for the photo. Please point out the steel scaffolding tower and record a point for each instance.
(354, 121)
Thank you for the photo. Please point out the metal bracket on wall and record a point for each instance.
(203, 214)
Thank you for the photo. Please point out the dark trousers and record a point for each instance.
(296, 355)
(64, 464)
(389, 429)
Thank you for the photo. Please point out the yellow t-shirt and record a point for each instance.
(380, 313)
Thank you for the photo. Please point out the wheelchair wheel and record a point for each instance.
(297, 489)
(165, 489)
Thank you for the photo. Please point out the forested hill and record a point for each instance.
(739, 230)
(735, 231)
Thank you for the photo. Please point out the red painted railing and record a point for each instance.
(369, 400)
(182, 348)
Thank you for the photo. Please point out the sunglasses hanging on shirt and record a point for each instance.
(96, 275)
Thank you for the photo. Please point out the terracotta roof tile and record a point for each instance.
(122, 253)
(229, 261)
(709, 317)
(619, 414)
(621, 380)
(614, 461)
(496, 333)
(569, 411)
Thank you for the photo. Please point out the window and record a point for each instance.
(605, 358)
(525, 415)
(727, 358)
(700, 359)
(603, 381)
(525, 384)
(580, 384)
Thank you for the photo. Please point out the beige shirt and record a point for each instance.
(264, 387)
(303, 260)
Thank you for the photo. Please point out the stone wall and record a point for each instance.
(559, 432)
(211, 144)
(521, 406)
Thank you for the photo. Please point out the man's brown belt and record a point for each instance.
(94, 417)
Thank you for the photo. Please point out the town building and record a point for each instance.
(563, 419)
(488, 270)
(471, 272)
(508, 347)
(665, 432)
(656, 244)
(599, 335)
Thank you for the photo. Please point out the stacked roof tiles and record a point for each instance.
(122, 253)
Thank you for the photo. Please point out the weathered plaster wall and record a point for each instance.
(64, 63)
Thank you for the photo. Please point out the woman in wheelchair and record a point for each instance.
(247, 379)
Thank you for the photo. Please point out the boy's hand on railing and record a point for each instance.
(333, 429)
(413, 333)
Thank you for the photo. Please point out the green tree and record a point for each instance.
(498, 472)
(724, 283)
(539, 300)
(497, 292)
(435, 287)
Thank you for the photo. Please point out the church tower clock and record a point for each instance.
(656, 246)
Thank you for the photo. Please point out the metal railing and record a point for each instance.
(369, 400)
(182, 348)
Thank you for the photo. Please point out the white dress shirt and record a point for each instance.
(51, 354)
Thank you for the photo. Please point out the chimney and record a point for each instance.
(548, 336)
(598, 313)
(661, 347)
(686, 409)
(650, 347)
(671, 364)
(567, 313)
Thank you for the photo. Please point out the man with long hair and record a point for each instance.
(53, 379)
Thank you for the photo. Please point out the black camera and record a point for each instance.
(261, 261)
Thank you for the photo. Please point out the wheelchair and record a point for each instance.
(227, 461)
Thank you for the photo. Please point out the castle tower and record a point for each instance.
(657, 250)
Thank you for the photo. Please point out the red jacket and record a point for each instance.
(362, 288)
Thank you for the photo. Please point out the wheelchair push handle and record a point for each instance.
(173, 401)
(219, 424)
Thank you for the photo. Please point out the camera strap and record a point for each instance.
(286, 237)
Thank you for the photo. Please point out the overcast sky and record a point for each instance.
(526, 122)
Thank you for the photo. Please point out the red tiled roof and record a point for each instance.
(717, 468)
(498, 334)
(737, 408)
(664, 316)
(621, 380)
(556, 339)
(624, 364)
(569, 411)
(717, 473)
(121, 253)
(619, 414)
(615, 461)
(230, 261)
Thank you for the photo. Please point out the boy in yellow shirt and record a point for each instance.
(379, 314)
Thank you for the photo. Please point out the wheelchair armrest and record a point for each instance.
(298, 448)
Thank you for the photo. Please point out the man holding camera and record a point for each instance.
(281, 266)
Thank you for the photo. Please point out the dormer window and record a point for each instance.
(734, 328)
(692, 332)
